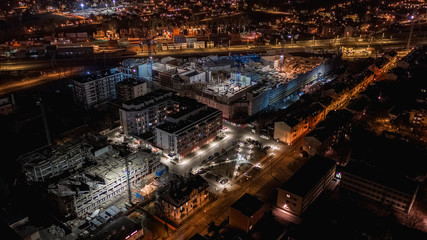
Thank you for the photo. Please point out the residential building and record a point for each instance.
(97, 88)
(246, 212)
(130, 88)
(186, 131)
(124, 228)
(389, 189)
(82, 193)
(418, 117)
(334, 95)
(182, 197)
(303, 188)
(326, 133)
(143, 113)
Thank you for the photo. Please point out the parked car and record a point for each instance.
(223, 181)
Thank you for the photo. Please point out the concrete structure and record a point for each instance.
(303, 188)
(82, 193)
(182, 197)
(238, 99)
(391, 190)
(48, 162)
(97, 88)
(130, 88)
(272, 61)
(194, 76)
(186, 131)
(246, 212)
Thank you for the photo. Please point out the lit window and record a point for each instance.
(288, 196)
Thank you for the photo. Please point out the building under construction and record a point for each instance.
(82, 193)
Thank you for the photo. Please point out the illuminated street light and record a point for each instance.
(82, 5)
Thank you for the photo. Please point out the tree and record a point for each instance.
(414, 220)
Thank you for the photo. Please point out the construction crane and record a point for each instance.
(148, 42)
(46, 126)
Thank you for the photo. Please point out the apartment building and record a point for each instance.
(183, 196)
(389, 189)
(303, 188)
(97, 88)
(186, 131)
(300, 119)
(418, 117)
(246, 212)
(143, 113)
(82, 193)
(130, 88)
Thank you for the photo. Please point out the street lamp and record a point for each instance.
(82, 5)
(114, 1)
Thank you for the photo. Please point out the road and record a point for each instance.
(263, 185)
(8, 87)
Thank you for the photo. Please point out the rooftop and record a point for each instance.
(96, 75)
(247, 204)
(129, 228)
(172, 127)
(131, 82)
(308, 175)
(179, 192)
(147, 100)
(381, 177)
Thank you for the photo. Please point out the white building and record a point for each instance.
(142, 114)
(97, 88)
(194, 76)
(389, 189)
(187, 131)
(305, 186)
(130, 88)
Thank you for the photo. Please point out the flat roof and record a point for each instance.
(146, 97)
(308, 175)
(393, 181)
(131, 82)
(129, 228)
(96, 75)
(247, 204)
(172, 127)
